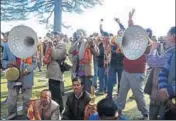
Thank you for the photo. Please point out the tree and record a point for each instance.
(20, 9)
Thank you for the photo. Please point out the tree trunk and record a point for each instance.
(57, 15)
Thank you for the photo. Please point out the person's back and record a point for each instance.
(106, 110)
(96, 117)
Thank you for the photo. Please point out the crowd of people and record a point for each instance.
(95, 57)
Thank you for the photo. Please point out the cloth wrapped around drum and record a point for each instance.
(12, 74)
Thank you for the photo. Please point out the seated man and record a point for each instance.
(76, 102)
(106, 110)
(44, 108)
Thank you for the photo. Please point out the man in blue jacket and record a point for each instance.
(25, 82)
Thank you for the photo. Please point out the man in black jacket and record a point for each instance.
(76, 102)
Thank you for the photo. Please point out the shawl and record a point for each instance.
(32, 114)
(27, 61)
(85, 57)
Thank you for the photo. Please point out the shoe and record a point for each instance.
(145, 117)
(105, 91)
(12, 117)
(99, 93)
(116, 98)
(109, 97)
(95, 87)
(22, 117)
(120, 112)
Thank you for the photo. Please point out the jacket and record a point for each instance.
(167, 76)
(89, 67)
(52, 112)
(74, 108)
(53, 69)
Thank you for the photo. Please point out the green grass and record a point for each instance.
(38, 86)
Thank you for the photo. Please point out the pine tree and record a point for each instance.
(20, 9)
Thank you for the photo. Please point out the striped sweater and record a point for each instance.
(167, 74)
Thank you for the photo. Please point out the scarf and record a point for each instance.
(27, 61)
(47, 56)
(82, 49)
(32, 114)
(85, 57)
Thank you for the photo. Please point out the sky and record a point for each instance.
(159, 15)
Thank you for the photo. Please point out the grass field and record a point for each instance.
(130, 111)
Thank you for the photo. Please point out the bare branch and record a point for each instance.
(49, 17)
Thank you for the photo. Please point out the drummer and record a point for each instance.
(24, 82)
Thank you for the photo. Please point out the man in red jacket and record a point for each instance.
(133, 77)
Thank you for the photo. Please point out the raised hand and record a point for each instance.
(131, 13)
(117, 20)
(101, 22)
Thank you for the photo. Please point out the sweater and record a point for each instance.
(135, 66)
(167, 76)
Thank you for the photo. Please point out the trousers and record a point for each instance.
(13, 94)
(56, 92)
